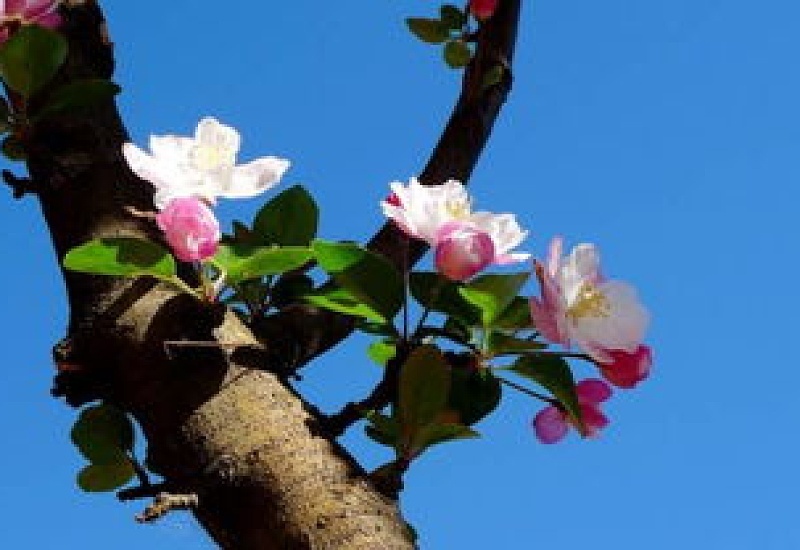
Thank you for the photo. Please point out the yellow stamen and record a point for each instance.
(590, 302)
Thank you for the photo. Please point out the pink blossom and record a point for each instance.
(462, 251)
(552, 423)
(627, 369)
(579, 306)
(190, 228)
(14, 13)
(482, 9)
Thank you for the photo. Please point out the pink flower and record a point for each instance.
(482, 9)
(465, 241)
(14, 13)
(579, 306)
(190, 227)
(552, 423)
(462, 251)
(627, 369)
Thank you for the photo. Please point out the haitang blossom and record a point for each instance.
(203, 166)
(579, 306)
(552, 423)
(482, 9)
(190, 228)
(14, 13)
(464, 242)
(627, 369)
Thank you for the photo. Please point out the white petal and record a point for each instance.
(171, 149)
(210, 132)
(143, 165)
(624, 326)
(252, 178)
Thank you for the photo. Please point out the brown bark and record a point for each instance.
(237, 436)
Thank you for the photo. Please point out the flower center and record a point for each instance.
(589, 302)
(210, 158)
(458, 209)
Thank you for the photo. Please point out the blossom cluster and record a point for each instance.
(578, 307)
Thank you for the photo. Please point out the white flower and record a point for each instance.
(423, 211)
(203, 166)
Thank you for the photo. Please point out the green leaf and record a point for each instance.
(381, 351)
(101, 478)
(457, 331)
(457, 54)
(80, 94)
(436, 433)
(122, 256)
(424, 386)
(289, 219)
(516, 316)
(438, 293)
(452, 17)
(432, 31)
(366, 275)
(498, 343)
(492, 294)
(473, 394)
(31, 58)
(552, 373)
(103, 434)
(382, 429)
(341, 301)
(13, 148)
(242, 261)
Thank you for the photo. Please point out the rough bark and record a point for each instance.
(237, 436)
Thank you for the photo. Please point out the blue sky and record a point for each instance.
(666, 132)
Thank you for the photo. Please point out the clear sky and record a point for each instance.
(667, 132)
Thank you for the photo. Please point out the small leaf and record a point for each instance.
(341, 301)
(241, 261)
(452, 17)
(289, 219)
(364, 274)
(101, 478)
(423, 390)
(436, 433)
(31, 58)
(516, 316)
(381, 428)
(457, 54)
(552, 373)
(474, 394)
(122, 256)
(103, 434)
(381, 351)
(79, 94)
(492, 294)
(498, 343)
(432, 31)
(437, 293)
(13, 148)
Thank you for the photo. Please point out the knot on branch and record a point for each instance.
(165, 503)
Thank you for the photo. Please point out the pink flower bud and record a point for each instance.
(552, 423)
(462, 251)
(190, 227)
(482, 9)
(627, 369)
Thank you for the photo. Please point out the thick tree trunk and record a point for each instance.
(235, 435)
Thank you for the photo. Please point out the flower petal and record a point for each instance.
(211, 132)
(593, 390)
(252, 178)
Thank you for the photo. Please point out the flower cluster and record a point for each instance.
(189, 174)
(464, 242)
(14, 13)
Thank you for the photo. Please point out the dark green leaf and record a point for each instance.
(424, 386)
(492, 294)
(100, 478)
(289, 219)
(452, 17)
(241, 261)
(499, 343)
(457, 54)
(457, 331)
(552, 373)
(433, 434)
(431, 31)
(341, 301)
(13, 148)
(79, 94)
(516, 316)
(440, 294)
(382, 429)
(122, 256)
(31, 57)
(290, 289)
(473, 394)
(366, 275)
(103, 434)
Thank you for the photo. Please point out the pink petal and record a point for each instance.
(37, 8)
(550, 425)
(462, 251)
(592, 391)
(627, 369)
(15, 7)
(593, 419)
(50, 20)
